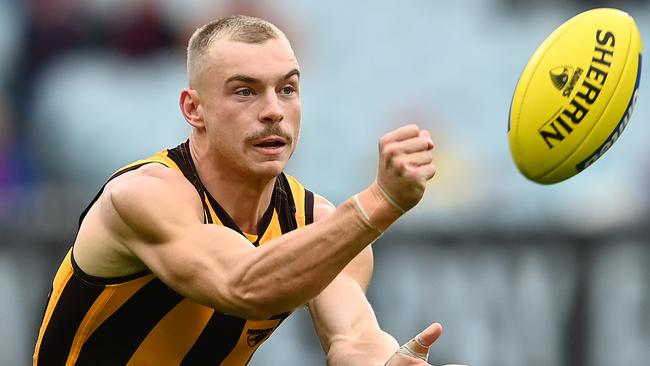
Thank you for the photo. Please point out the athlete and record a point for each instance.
(196, 254)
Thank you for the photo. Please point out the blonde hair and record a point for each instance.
(239, 28)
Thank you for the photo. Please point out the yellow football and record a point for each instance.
(575, 95)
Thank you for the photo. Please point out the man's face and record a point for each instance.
(251, 105)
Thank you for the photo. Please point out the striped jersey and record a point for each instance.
(137, 319)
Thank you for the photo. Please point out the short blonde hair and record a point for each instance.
(239, 28)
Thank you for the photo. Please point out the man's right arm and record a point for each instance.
(218, 267)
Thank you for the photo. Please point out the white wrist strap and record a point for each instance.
(364, 214)
(390, 199)
(407, 350)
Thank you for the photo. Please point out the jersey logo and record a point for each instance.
(257, 336)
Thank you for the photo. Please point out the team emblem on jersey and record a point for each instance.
(256, 336)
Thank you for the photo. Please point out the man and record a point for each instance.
(195, 255)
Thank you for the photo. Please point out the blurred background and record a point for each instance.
(518, 273)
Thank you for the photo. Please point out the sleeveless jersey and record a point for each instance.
(138, 320)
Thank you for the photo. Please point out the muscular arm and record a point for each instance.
(153, 215)
(215, 265)
(344, 320)
(347, 326)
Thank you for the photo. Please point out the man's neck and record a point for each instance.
(244, 198)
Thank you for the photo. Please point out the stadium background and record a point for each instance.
(518, 273)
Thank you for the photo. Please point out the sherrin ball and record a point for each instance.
(575, 96)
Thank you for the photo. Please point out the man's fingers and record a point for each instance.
(416, 159)
(420, 343)
(406, 140)
(402, 154)
(426, 171)
(427, 135)
(418, 347)
(401, 134)
(430, 335)
(413, 145)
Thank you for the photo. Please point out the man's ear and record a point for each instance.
(190, 104)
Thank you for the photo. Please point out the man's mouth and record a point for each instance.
(271, 144)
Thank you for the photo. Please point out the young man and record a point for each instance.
(195, 255)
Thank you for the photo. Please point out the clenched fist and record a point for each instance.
(405, 164)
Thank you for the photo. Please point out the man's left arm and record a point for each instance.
(346, 323)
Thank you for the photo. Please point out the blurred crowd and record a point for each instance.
(65, 64)
(89, 85)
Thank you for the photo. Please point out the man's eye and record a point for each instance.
(244, 92)
(288, 90)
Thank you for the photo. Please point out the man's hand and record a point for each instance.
(405, 164)
(416, 351)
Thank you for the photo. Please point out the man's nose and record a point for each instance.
(271, 111)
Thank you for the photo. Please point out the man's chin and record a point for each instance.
(270, 169)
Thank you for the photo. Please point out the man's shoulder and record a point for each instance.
(150, 173)
(149, 182)
(322, 207)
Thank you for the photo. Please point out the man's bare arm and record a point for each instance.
(344, 320)
(215, 265)
(152, 215)
(346, 324)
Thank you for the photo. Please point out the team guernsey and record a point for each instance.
(138, 320)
